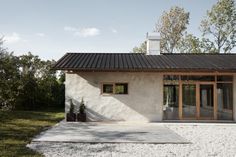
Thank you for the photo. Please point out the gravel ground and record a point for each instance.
(207, 140)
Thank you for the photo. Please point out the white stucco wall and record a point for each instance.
(143, 102)
(234, 97)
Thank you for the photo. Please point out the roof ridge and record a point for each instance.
(233, 53)
(131, 53)
(103, 53)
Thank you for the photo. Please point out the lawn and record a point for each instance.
(17, 128)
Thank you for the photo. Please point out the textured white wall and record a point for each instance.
(143, 103)
(234, 97)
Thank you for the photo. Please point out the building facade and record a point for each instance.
(138, 87)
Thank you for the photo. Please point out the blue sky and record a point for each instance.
(49, 28)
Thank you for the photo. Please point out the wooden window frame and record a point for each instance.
(108, 83)
(197, 83)
(114, 85)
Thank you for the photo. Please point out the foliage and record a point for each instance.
(28, 83)
(9, 78)
(171, 27)
(19, 127)
(141, 49)
(82, 107)
(191, 44)
(220, 26)
(72, 107)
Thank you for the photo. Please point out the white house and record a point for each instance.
(152, 86)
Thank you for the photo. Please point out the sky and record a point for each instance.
(50, 28)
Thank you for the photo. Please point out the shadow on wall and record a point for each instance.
(91, 115)
(139, 99)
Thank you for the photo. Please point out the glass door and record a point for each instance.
(206, 106)
(189, 109)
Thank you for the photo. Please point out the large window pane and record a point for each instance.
(206, 101)
(121, 88)
(171, 102)
(107, 88)
(224, 78)
(197, 78)
(189, 100)
(225, 101)
(171, 77)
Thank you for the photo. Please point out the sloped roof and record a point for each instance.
(142, 62)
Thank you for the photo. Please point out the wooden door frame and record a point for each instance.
(214, 101)
(197, 92)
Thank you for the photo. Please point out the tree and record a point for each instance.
(40, 87)
(189, 44)
(171, 27)
(29, 83)
(220, 26)
(141, 49)
(9, 78)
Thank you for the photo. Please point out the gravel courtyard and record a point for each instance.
(208, 139)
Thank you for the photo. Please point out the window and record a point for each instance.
(115, 88)
(225, 101)
(107, 88)
(197, 78)
(171, 102)
(225, 78)
(171, 77)
(121, 88)
(225, 95)
(203, 96)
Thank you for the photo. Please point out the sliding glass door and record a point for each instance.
(206, 106)
(196, 97)
(189, 101)
(198, 101)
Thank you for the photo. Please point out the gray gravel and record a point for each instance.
(207, 140)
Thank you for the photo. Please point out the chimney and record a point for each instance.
(153, 44)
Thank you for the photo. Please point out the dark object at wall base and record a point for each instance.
(70, 117)
(81, 117)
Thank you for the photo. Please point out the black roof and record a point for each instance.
(142, 62)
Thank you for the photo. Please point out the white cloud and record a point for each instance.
(40, 34)
(70, 29)
(83, 32)
(87, 32)
(12, 38)
(114, 30)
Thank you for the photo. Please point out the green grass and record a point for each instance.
(17, 128)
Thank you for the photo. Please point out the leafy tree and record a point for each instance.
(40, 86)
(220, 26)
(27, 98)
(29, 65)
(9, 78)
(141, 49)
(207, 46)
(171, 27)
(189, 44)
(28, 83)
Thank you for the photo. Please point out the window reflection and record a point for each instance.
(225, 101)
(171, 105)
